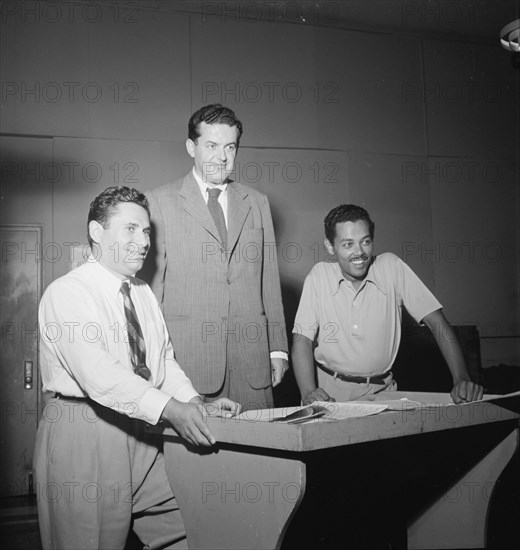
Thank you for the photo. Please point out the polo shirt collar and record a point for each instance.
(370, 278)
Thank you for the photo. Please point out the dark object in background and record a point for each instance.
(501, 379)
(420, 366)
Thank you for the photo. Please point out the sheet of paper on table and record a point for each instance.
(439, 400)
(318, 411)
(402, 404)
(335, 411)
(493, 397)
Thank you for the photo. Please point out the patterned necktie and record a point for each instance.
(217, 213)
(135, 335)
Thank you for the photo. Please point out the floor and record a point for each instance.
(19, 523)
(19, 518)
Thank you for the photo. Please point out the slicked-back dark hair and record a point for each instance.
(102, 207)
(212, 114)
(346, 213)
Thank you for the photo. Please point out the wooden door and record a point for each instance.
(20, 394)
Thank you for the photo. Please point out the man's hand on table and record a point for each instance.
(318, 394)
(465, 391)
(223, 407)
(188, 418)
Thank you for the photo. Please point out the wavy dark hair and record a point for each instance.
(212, 114)
(346, 213)
(102, 207)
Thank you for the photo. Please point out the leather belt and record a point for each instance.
(58, 395)
(378, 379)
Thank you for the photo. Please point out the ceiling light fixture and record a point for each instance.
(510, 36)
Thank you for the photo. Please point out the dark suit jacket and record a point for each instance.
(210, 298)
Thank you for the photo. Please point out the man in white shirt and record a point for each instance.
(106, 354)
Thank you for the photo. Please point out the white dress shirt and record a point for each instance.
(84, 348)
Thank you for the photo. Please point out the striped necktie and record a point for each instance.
(135, 335)
(217, 214)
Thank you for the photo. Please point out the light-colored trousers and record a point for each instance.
(343, 391)
(100, 473)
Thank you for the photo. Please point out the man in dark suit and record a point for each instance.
(216, 273)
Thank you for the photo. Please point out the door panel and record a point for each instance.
(20, 289)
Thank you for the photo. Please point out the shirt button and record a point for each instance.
(354, 303)
(354, 327)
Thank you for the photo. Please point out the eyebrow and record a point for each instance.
(134, 224)
(225, 144)
(352, 240)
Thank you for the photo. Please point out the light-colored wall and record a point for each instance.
(422, 132)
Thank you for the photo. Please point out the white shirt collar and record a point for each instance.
(109, 281)
(203, 186)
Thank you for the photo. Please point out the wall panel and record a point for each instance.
(370, 109)
(471, 98)
(263, 70)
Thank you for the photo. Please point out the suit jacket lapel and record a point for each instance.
(195, 205)
(238, 208)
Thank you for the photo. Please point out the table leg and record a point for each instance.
(457, 519)
(232, 498)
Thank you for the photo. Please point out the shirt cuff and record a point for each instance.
(155, 400)
(279, 355)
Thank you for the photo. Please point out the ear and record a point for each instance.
(190, 147)
(95, 230)
(329, 246)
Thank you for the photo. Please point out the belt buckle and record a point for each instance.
(368, 380)
(335, 375)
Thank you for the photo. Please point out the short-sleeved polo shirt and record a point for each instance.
(358, 331)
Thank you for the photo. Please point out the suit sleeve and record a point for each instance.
(271, 292)
(157, 254)
(307, 318)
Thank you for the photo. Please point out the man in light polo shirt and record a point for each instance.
(352, 307)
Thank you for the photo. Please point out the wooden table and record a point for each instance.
(245, 492)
